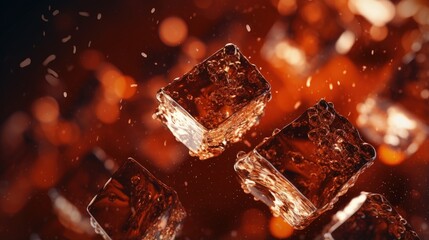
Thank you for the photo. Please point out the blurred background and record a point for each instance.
(78, 85)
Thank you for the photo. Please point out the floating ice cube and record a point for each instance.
(389, 124)
(301, 170)
(215, 103)
(368, 216)
(133, 204)
(305, 38)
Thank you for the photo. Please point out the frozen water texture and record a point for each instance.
(384, 122)
(368, 216)
(215, 103)
(133, 204)
(301, 170)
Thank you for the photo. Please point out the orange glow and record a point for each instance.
(91, 59)
(67, 132)
(280, 228)
(194, 48)
(12, 131)
(312, 12)
(173, 31)
(44, 173)
(378, 33)
(253, 224)
(309, 43)
(165, 153)
(390, 156)
(286, 7)
(15, 197)
(130, 87)
(46, 109)
(107, 71)
(107, 112)
(114, 85)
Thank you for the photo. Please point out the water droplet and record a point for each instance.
(327, 117)
(275, 131)
(386, 207)
(174, 94)
(312, 135)
(112, 197)
(368, 151)
(135, 180)
(241, 155)
(323, 104)
(230, 49)
(314, 120)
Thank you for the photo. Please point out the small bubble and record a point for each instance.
(368, 151)
(112, 197)
(323, 104)
(175, 94)
(314, 120)
(275, 131)
(135, 180)
(241, 155)
(230, 49)
(386, 207)
(327, 117)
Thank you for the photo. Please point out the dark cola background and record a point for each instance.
(78, 86)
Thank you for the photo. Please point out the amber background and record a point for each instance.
(46, 137)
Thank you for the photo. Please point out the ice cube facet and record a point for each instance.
(301, 170)
(368, 216)
(215, 103)
(133, 204)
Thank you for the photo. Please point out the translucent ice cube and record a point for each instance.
(215, 103)
(368, 216)
(133, 204)
(389, 124)
(305, 38)
(71, 196)
(301, 170)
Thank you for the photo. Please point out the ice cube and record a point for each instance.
(215, 103)
(305, 38)
(390, 125)
(133, 204)
(368, 216)
(301, 170)
(397, 117)
(71, 196)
